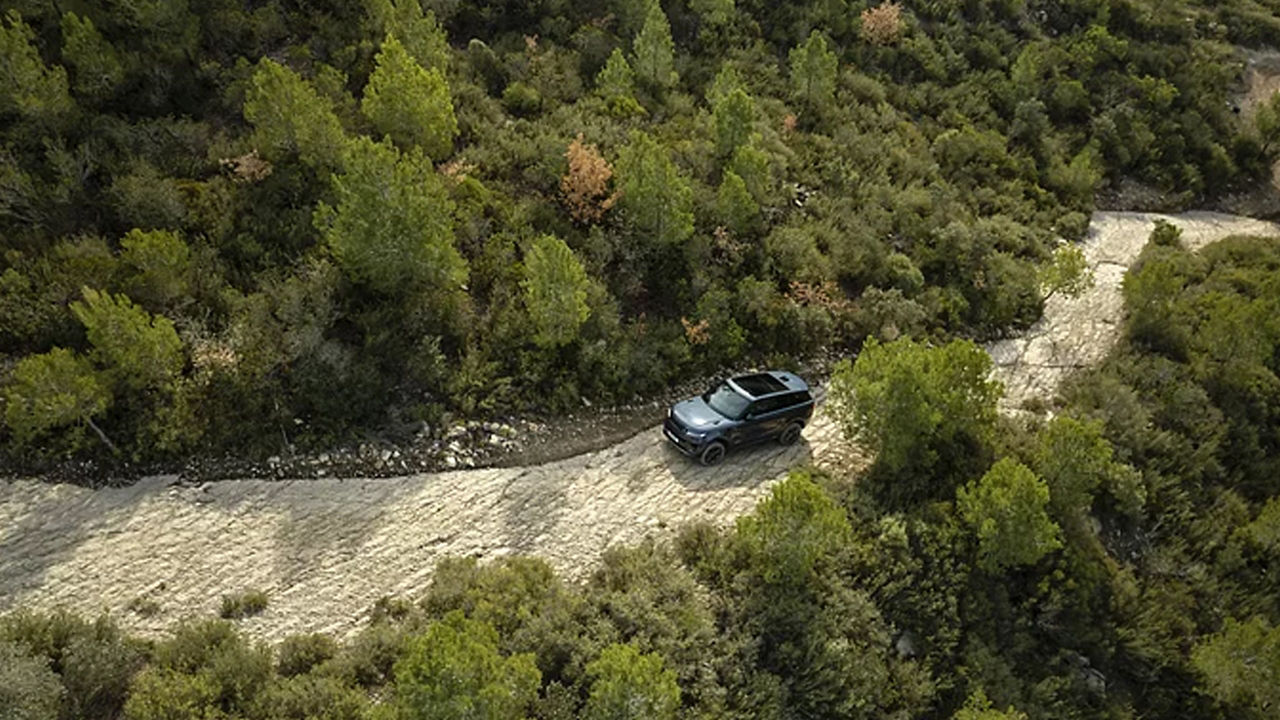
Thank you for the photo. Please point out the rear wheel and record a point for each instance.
(790, 434)
(712, 454)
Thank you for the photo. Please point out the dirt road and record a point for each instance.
(325, 550)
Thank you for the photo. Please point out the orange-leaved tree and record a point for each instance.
(586, 186)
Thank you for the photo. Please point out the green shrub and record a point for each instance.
(311, 697)
(521, 99)
(298, 654)
(29, 690)
(243, 605)
(93, 659)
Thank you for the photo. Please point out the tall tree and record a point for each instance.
(654, 51)
(409, 103)
(454, 670)
(392, 228)
(713, 12)
(96, 65)
(289, 116)
(629, 685)
(136, 349)
(53, 390)
(657, 198)
(734, 115)
(586, 185)
(738, 211)
(159, 265)
(419, 32)
(1075, 459)
(555, 288)
(1007, 510)
(28, 87)
(616, 84)
(1241, 667)
(923, 411)
(792, 534)
(813, 73)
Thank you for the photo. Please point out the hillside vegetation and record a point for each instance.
(233, 227)
(1119, 560)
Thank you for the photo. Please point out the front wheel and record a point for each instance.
(712, 454)
(790, 434)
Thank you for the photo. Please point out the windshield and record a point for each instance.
(726, 401)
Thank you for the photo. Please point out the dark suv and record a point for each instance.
(740, 411)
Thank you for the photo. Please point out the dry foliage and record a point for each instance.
(882, 25)
(586, 187)
(457, 169)
(825, 295)
(725, 249)
(248, 168)
(698, 333)
(789, 123)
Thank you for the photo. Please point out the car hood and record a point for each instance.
(696, 414)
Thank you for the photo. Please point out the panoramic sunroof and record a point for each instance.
(759, 384)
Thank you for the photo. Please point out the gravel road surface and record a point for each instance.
(324, 550)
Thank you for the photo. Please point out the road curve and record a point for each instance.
(324, 550)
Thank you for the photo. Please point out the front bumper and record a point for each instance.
(675, 434)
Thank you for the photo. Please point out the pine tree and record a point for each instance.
(734, 115)
(657, 199)
(752, 165)
(289, 116)
(419, 33)
(28, 87)
(654, 51)
(616, 84)
(454, 670)
(737, 209)
(410, 104)
(1241, 665)
(555, 291)
(713, 12)
(813, 73)
(1007, 509)
(725, 82)
(52, 390)
(137, 350)
(392, 228)
(96, 65)
(927, 413)
(629, 685)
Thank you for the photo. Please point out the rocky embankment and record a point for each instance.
(324, 549)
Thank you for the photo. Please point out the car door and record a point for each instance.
(765, 418)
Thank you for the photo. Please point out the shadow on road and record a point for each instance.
(742, 467)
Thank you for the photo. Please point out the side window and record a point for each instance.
(768, 405)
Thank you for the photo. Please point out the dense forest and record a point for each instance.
(245, 228)
(1118, 558)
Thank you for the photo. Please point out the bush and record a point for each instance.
(298, 654)
(29, 690)
(521, 99)
(94, 660)
(246, 604)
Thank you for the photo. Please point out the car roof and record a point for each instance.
(758, 385)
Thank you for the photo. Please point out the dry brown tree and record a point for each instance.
(882, 25)
(586, 186)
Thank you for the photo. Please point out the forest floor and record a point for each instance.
(325, 549)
